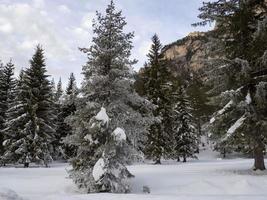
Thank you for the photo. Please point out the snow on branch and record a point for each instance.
(248, 98)
(119, 134)
(99, 169)
(234, 127)
(102, 116)
(220, 112)
(228, 105)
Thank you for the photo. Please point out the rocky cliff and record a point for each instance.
(192, 51)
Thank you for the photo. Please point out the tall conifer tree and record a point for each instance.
(108, 121)
(30, 128)
(59, 91)
(67, 109)
(186, 137)
(157, 89)
(7, 85)
(239, 81)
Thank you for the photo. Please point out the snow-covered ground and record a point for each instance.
(203, 179)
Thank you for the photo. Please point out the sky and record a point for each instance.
(62, 26)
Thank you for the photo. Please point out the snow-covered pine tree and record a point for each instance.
(59, 91)
(58, 106)
(156, 89)
(16, 143)
(2, 119)
(7, 84)
(67, 108)
(107, 90)
(53, 88)
(240, 79)
(31, 123)
(198, 97)
(186, 136)
(72, 88)
(41, 109)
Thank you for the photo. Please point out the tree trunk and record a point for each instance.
(259, 158)
(184, 158)
(26, 165)
(224, 153)
(178, 159)
(158, 162)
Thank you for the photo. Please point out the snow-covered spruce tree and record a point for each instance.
(7, 84)
(59, 91)
(107, 90)
(1, 114)
(186, 137)
(53, 88)
(41, 109)
(31, 123)
(16, 142)
(198, 97)
(240, 79)
(157, 89)
(58, 152)
(67, 108)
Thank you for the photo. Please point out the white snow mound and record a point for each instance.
(7, 194)
(119, 134)
(102, 116)
(98, 169)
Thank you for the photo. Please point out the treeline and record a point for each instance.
(32, 114)
(117, 116)
(104, 125)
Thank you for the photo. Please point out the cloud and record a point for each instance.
(23, 26)
(5, 26)
(30, 27)
(62, 26)
(64, 9)
(144, 48)
(87, 21)
(27, 45)
(38, 3)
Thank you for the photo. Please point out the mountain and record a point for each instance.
(191, 52)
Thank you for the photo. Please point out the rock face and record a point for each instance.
(191, 51)
(195, 49)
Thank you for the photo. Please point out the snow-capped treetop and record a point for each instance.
(248, 98)
(119, 134)
(98, 169)
(102, 116)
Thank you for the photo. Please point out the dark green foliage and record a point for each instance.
(67, 108)
(107, 102)
(186, 138)
(7, 85)
(157, 87)
(59, 91)
(199, 99)
(239, 81)
(30, 128)
(16, 143)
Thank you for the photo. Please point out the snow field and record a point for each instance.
(196, 180)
